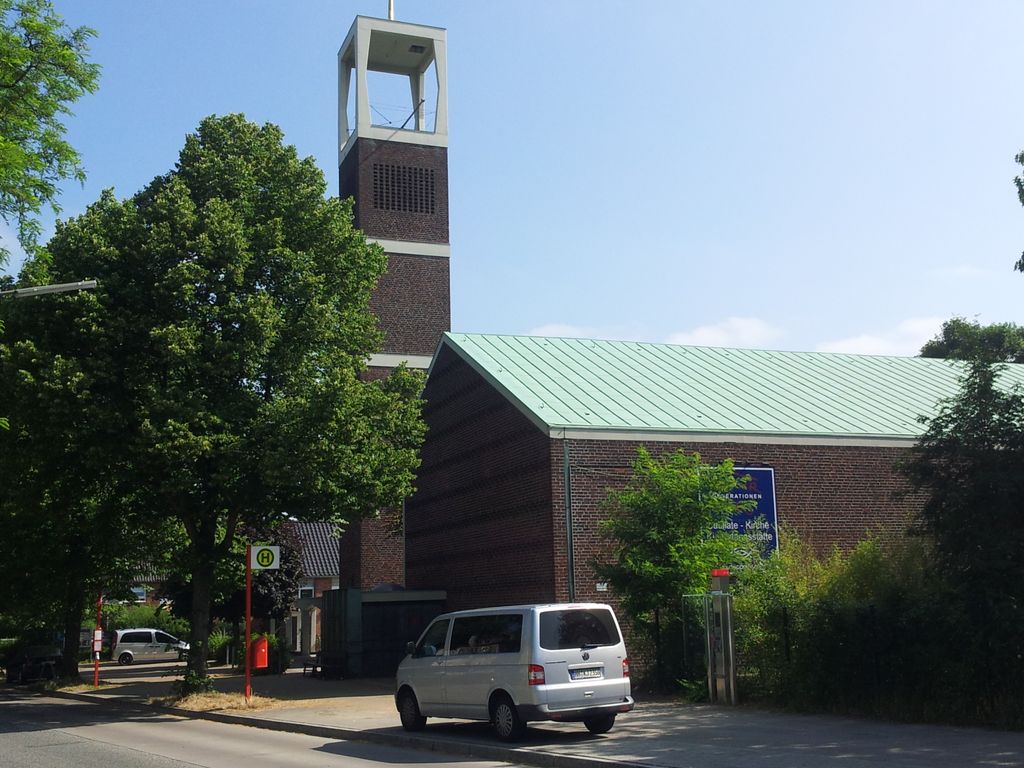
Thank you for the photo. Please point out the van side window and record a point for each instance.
(577, 628)
(500, 633)
(136, 637)
(432, 642)
(162, 637)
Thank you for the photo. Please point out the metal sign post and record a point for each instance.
(721, 655)
(97, 641)
(261, 558)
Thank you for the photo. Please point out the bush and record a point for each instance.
(874, 630)
(192, 683)
(218, 643)
(158, 617)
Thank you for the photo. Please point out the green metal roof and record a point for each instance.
(622, 386)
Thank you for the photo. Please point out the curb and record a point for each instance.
(409, 741)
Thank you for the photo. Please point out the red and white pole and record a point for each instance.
(248, 621)
(97, 646)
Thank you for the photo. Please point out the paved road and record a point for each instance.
(663, 734)
(42, 732)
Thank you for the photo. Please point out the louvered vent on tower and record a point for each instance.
(403, 188)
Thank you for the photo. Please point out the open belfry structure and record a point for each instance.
(398, 178)
(397, 175)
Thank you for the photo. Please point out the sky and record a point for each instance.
(788, 175)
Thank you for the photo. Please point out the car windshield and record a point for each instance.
(577, 628)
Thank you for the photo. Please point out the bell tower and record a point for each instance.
(396, 169)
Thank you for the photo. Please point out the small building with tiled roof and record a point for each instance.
(320, 564)
(526, 435)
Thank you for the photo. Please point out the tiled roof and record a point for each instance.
(319, 548)
(619, 386)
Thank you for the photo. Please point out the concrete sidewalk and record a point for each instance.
(665, 734)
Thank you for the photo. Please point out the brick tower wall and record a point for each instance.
(404, 189)
(412, 303)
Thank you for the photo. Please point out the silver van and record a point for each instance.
(141, 644)
(513, 664)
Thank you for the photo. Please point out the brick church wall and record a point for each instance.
(480, 524)
(488, 521)
(830, 495)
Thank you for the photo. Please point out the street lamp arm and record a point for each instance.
(39, 290)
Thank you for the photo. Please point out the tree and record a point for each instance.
(967, 467)
(227, 341)
(664, 530)
(1019, 183)
(71, 518)
(961, 339)
(43, 70)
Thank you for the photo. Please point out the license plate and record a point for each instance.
(585, 674)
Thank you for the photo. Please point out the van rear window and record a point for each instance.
(577, 628)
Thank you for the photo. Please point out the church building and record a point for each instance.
(527, 435)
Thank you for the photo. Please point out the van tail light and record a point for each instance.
(625, 667)
(535, 676)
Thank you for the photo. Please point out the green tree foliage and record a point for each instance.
(961, 339)
(273, 591)
(43, 70)
(662, 538)
(224, 350)
(1019, 183)
(69, 511)
(967, 465)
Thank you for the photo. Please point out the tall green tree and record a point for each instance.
(228, 340)
(967, 467)
(73, 521)
(666, 533)
(44, 69)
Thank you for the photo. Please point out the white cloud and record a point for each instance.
(747, 332)
(906, 339)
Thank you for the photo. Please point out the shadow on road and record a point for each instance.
(23, 710)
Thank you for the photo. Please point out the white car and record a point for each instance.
(514, 664)
(143, 644)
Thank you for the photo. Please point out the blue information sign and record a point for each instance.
(760, 524)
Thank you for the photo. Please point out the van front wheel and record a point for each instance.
(601, 724)
(507, 723)
(409, 712)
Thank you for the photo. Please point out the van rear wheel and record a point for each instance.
(409, 712)
(124, 659)
(601, 724)
(508, 725)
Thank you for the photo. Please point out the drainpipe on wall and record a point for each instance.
(570, 559)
